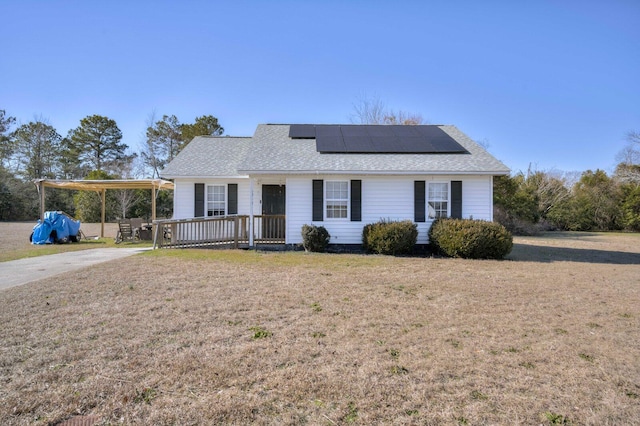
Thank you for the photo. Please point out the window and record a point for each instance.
(337, 199)
(216, 200)
(438, 200)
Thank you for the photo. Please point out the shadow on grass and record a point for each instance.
(545, 254)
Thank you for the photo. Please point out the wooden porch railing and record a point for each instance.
(230, 231)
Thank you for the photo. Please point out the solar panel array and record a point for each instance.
(379, 139)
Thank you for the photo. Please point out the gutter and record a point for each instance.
(376, 173)
(207, 177)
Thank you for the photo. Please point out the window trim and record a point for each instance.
(207, 201)
(347, 200)
(429, 199)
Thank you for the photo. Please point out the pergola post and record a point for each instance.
(153, 203)
(103, 193)
(42, 199)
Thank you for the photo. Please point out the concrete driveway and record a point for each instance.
(22, 271)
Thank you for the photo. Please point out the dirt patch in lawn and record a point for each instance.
(15, 244)
(238, 337)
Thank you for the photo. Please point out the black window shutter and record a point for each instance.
(419, 205)
(199, 200)
(456, 199)
(318, 200)
(356, 200)
(232, 199)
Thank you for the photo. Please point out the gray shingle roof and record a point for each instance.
(274, 152)
(271, 151)
(208, 156)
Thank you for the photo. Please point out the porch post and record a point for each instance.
(236, 231)
(250, 212)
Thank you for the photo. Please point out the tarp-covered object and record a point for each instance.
(56, 227)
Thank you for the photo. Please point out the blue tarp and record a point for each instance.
(56, 227)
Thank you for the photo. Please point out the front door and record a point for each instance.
(273, 211)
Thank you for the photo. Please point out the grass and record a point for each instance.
(14, 240)
(260, 333)
(244, 337)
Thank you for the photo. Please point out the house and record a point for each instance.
(341, 177)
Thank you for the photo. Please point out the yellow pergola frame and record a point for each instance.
(101, 187)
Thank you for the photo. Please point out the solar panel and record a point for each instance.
(332, 139)
(383, 139)
(440, 140)
(302, 131)
(410, 140)
(357, 139)
(372, 139)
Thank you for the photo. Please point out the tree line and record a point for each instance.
(527, 203)
(93, 150)
(591, 201)
(524, 202)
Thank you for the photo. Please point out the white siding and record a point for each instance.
(183, 199)
(388, 198)
(184, 195)
(299, 199)
(383, 197)
(477, 197)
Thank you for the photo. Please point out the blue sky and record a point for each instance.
(554, 84)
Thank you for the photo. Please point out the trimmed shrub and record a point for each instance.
(470, 239)
(390, 237)
(315, 238)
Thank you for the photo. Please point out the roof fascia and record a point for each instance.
(208, 177)
(378, 173)
(96, 185)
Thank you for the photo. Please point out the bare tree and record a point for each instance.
(151, 148)
(628, 169)
(164, 139)
(630, 154)
(403, 118)
(549, 188)
(372, 110)
(124, 199)
(484, 143)
(368, 110)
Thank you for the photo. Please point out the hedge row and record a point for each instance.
(472, 239)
